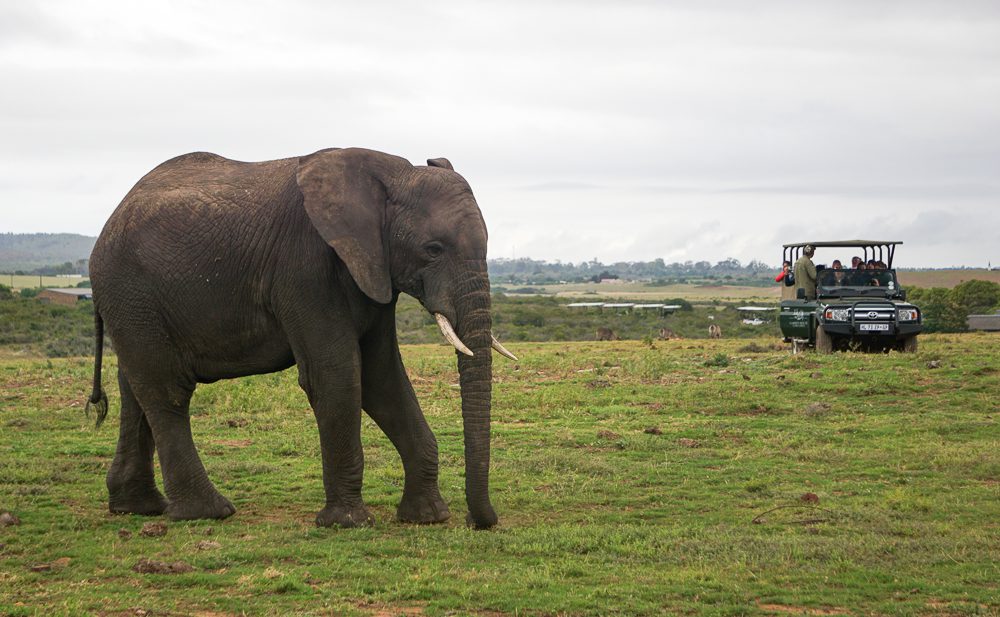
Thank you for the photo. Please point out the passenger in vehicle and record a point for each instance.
(874, 280)
(860, 276)
(882, 275)
(839, 276)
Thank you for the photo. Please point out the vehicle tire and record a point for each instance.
(824, 342)
(909, 344)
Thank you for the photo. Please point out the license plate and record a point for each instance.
(874, 327)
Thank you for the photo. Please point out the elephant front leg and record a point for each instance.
(389, 399)
(335, 395)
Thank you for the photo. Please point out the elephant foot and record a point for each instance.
(215, 506)
(146, 503)
(424, 509)
(344, 516)
(482, 518)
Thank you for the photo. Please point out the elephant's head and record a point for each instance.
(398, 227)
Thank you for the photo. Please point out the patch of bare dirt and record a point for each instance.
(816, 409)
(653, 430)
(689, 443)
(9, 520)
(801, 610)
(233, 443)
(57, 564)
(154, 530)
(605, 434)
(809, 498)
(148, 566)
(207, 545)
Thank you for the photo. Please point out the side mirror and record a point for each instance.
(902, 294)
(800, 293)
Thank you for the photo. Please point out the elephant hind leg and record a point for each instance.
(166, 401)
(131, 481)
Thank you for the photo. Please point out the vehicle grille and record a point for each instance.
(874, 312)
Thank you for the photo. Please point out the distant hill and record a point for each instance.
(30, 251)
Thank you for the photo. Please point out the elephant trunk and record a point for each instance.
(476, 379)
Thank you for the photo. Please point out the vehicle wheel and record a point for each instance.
(909, 344)
(824, 342)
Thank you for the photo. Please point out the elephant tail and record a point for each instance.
(98, 401)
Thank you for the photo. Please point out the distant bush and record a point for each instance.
(977, 297)
(947, 310)
(45, 329)
(6, 293)
(30, 292)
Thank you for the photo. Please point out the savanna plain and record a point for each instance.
(691, 476)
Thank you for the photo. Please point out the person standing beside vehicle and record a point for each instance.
(805, 272)
(787, 279)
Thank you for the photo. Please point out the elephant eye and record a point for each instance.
(434, 249)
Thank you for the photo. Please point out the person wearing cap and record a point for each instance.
(805, 272)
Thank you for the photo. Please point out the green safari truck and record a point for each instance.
(856, 308)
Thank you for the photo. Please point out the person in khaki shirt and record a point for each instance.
(805, 272)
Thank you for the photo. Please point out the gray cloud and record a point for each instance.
(627, 131)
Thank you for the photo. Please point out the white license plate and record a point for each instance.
(873, 327)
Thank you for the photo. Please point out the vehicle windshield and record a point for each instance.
(848, 280)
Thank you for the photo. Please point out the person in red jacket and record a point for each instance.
(786, 267)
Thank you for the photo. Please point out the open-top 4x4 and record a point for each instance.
(854, 308)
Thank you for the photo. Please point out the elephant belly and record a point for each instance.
(251, 357)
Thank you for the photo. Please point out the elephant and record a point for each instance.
(214, 269)
(605, 334)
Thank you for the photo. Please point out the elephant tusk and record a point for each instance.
(502, 349)
(449, 333)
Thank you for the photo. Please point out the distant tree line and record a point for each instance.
(532, 271)
(28, 252)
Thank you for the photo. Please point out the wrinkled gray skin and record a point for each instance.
(211, 269)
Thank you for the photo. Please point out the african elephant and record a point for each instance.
(212, 269)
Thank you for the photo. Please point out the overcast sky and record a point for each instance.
(615, 130)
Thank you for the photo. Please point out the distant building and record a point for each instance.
(64, 296)
(989, 323)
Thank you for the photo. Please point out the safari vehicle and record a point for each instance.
(854, 308)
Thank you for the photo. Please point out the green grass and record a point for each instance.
(598, 516)
(30, 328)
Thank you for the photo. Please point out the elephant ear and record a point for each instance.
(440, 162)
(344, 193)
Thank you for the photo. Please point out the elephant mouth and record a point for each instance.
(449, 334)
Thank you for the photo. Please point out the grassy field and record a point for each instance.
(945, 278)
(658, 293)
(688, 477)
(24, 281)
(736, 293)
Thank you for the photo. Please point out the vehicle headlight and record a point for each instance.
(838, 314)
(909, 314)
